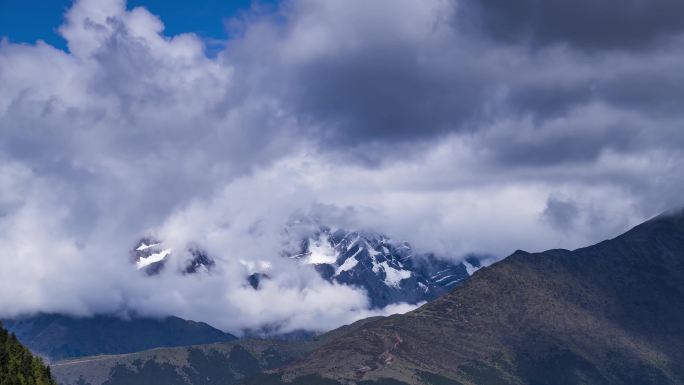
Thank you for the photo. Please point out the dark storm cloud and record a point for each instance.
(575, 141)
(585, 24)
(376, 94)
(374, 82)
(658, 90)
(372, 78)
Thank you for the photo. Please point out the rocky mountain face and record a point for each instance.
(612, 313)
(390, 271)
(58, 336)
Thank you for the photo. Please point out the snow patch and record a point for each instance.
(153, 258)
(349, 264)
(455, 281)
(393, 276)
(444, 278)
(423, 286)
(470, 268)
(321, 252)
(144, 246)
(376, 267)
(349, 246)
(371, 251)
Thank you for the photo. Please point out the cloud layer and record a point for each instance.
(459, 126)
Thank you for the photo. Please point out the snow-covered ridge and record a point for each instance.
(389, 270)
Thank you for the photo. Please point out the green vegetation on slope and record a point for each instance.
(18, 366)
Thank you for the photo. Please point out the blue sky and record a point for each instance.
(26, 21)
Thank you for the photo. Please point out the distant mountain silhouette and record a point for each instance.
(58, 336)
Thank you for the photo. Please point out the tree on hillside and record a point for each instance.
(18, 366)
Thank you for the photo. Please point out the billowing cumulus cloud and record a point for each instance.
(459, 126)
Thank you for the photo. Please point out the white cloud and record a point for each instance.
(372, 115)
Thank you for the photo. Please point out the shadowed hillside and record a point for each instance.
(220, 364)
(58, 336)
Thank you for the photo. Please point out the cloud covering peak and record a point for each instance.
(415, 119)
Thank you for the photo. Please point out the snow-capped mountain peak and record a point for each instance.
(390, 271)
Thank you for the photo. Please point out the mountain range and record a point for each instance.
(390, 271)
(611, 313)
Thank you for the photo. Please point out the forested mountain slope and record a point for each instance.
(18, 366)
